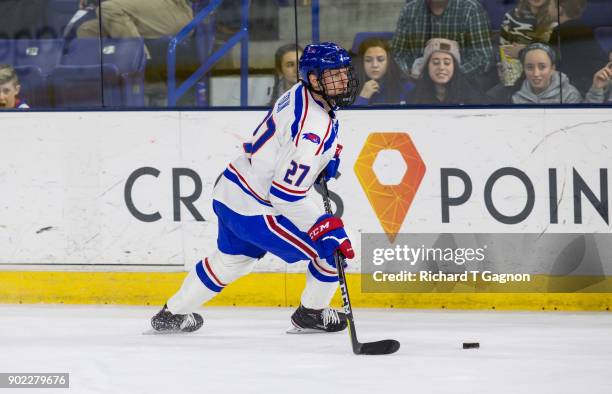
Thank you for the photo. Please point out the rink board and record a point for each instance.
(118, 195)
(264, 289)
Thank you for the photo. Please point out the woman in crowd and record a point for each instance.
(601, 90)
(542, 83)
(531, 21)
(286, 65)
(441, 81)
(379, 76)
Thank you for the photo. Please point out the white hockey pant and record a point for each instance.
(207, 278)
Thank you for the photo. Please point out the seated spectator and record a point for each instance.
(137, 18)
(601, 90)
(531, 21)
(543, 84)
(9, 89)
(149, 19)
(286, 70)
(379, 76)
(577, 47)
(441, 80)
(464, 21)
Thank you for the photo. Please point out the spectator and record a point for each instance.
(531, 21)
(601, 90)
(137, 18)
(464, 21)
(579, 52)
(9, 89)
(285, 65)
(543, 84)
(379, 77)
(149, 19)
(441, 80)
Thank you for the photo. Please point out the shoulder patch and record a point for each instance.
(283, 103)
(312, 137)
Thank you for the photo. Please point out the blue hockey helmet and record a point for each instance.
(338, 90)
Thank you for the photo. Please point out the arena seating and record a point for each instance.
(34, 60)
(7, 51)
(604, 37)
(496, 9)
(598, 13)
(59, 14)
(114, 71)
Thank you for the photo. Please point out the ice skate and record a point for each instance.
(165, 322)
(307, 321)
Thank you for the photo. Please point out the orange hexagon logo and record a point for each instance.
(390, 202)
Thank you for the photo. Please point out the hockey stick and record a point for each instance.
(386, 346)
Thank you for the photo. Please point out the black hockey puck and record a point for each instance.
(471, 345)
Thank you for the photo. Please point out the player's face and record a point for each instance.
(441, 68)
(8, 94)
(335, 81)
(375, 62)
(289, 66)
(538, 70)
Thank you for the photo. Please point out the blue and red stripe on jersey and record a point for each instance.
(330, 141)
(326, 138)
(251, 147)
(233, 175)
(300, 113)
(285, 193)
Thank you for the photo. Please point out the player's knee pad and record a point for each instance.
(220, 269)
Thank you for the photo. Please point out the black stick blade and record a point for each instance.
(386, 346)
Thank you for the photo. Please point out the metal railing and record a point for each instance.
(242, 37)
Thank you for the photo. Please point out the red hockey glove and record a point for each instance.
(328, 236)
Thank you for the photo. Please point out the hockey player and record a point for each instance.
(263, 204)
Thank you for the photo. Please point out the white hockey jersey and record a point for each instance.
(282, 160)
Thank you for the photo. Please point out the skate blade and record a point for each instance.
(151, 331)
(298, 330)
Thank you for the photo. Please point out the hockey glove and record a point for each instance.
(332, 167)
(328, 236)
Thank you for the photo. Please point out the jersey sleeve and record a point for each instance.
(298, 170)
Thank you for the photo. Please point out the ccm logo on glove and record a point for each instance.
(328, 236)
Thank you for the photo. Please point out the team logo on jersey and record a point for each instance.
(312, 137)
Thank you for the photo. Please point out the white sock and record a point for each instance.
(317, 294)
(191, 295)
(218, 270)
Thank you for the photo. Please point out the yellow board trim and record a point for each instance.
(262, 289)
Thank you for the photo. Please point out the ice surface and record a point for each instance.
(246, 350)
